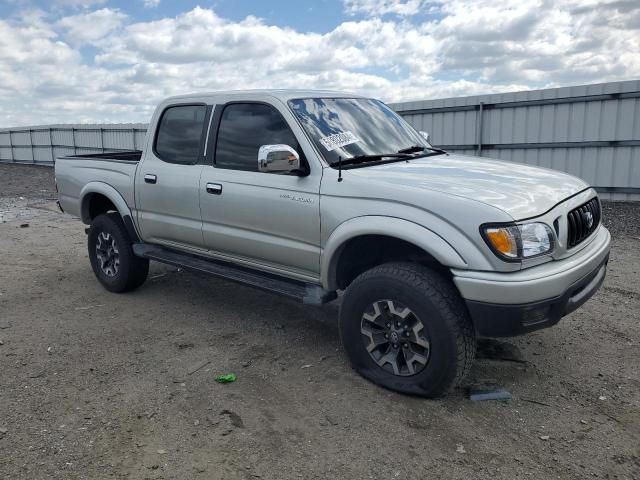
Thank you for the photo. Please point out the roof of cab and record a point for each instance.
(281, 94)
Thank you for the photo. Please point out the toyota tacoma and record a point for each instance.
(321, 195)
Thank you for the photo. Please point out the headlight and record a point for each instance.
(516, 242)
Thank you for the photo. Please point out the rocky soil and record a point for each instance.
(96, 385)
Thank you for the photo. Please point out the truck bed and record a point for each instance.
(96, 172)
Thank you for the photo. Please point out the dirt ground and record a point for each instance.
(97, 385)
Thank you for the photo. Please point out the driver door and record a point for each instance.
(266, 220)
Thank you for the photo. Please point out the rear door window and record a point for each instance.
(180, 133)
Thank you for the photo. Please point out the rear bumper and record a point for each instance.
(509, 304)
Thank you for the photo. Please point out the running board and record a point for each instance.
(304, 292)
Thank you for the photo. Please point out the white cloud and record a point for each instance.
(35, 43)
(470, 47)
(151, 3)
(384, 7)
(88, 27)
(543, 42)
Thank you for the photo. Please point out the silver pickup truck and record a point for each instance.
(310, 193)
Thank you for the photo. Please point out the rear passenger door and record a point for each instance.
(262, 219)
(168, 178)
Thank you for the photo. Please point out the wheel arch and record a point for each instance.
(97, 198)
(394, 239)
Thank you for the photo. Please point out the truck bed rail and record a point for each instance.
(127, 156)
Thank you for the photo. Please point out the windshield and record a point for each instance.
(352, 127)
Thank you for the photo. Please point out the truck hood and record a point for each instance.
(520, 190)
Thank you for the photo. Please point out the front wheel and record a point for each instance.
(111, 255)
(405, 327)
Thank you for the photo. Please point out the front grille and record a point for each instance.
(583, 221)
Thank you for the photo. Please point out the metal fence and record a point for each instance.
(42, 144)
(590, 131)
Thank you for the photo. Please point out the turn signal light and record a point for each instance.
(502, 241)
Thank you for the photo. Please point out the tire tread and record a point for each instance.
(442, 293)
(137, 268)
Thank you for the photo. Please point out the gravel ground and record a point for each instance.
(96, 385)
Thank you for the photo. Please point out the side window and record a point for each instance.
(179, 134)
(244, 128)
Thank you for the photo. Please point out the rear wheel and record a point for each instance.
(405, 327)
(111, 255)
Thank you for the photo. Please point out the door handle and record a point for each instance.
(214, 188)
(150, 178)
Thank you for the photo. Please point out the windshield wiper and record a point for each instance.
(420, 148)
(371, 158)
(412, 149)
(404, 154)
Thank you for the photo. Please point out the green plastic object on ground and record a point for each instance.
(227, 378)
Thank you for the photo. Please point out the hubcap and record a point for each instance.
(107, 254)
(395, 338)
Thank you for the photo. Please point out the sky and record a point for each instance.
(111, 61)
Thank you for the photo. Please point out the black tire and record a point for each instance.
(434, 303)
(130, 271)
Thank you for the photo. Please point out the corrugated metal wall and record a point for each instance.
(590, 131)
(42, 144)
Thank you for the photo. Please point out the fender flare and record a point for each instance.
(106, 190)
(114, 196)
(416, 234)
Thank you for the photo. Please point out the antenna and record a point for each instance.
(340, 168)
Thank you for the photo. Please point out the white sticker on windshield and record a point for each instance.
(338, 140)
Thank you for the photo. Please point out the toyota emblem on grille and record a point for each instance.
(589, 218)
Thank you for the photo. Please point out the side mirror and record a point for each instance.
(426, 136)
(278, 159)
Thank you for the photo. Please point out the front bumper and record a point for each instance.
(509, 304)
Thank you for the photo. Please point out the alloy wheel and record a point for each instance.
(395, 338)
(107, 254)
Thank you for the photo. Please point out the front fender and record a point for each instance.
(398, 228)
(103, 189)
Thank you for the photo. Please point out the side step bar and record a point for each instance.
(304, 292)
